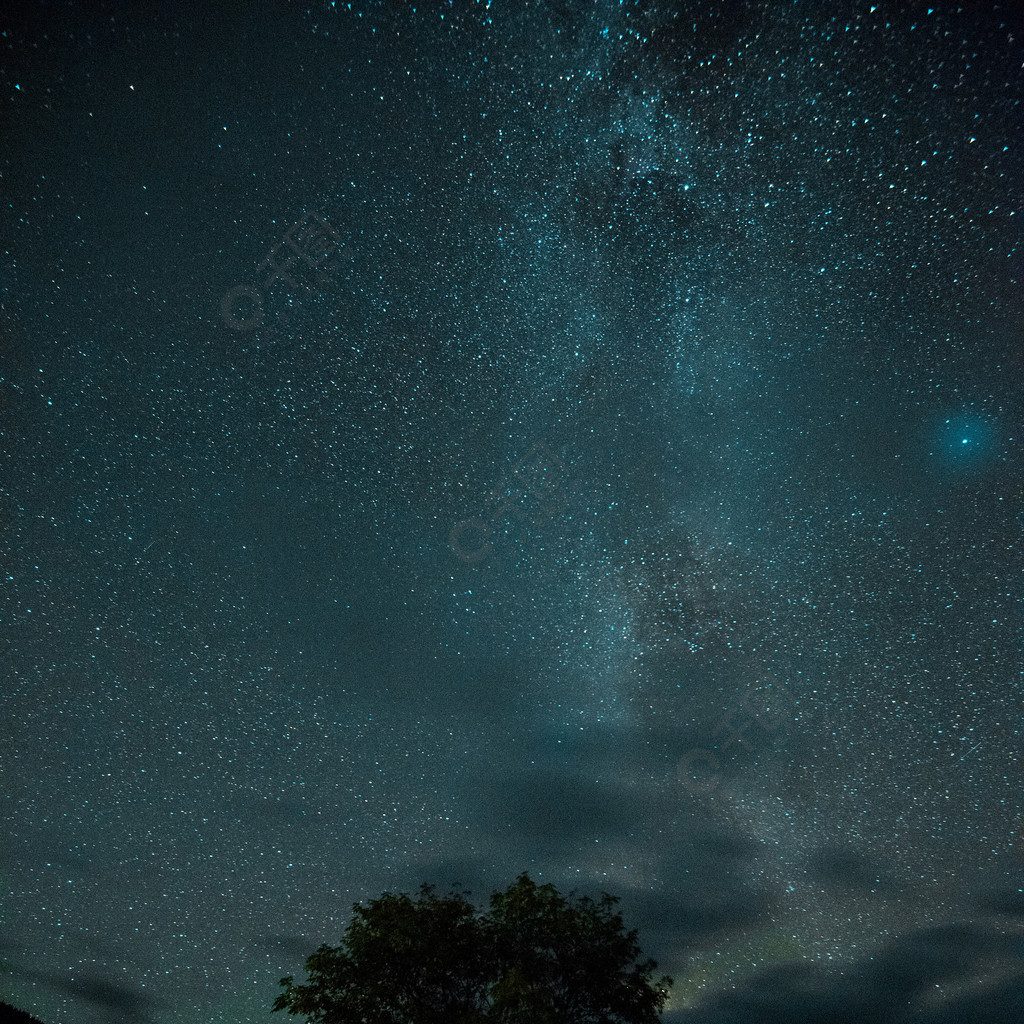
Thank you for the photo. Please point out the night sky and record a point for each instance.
(446, 440)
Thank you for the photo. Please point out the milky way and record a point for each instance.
(449, 440)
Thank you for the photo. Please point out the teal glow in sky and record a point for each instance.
(965, 442)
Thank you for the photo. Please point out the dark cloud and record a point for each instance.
(295, 947)
(842, 868)
(560, 809)
(920, 978)
(459, 874)
(117, 1003)
(111, 1001)
(998, 1003)
(671, 923)
(1008, 902)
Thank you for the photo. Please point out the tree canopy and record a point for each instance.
(12, 1015)
(535, 957)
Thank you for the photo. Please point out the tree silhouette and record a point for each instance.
(12, 1015)
(536, 958)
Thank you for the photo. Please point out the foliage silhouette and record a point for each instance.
(535, 958)
(12, 1015)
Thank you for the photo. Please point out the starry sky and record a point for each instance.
(443, 440)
